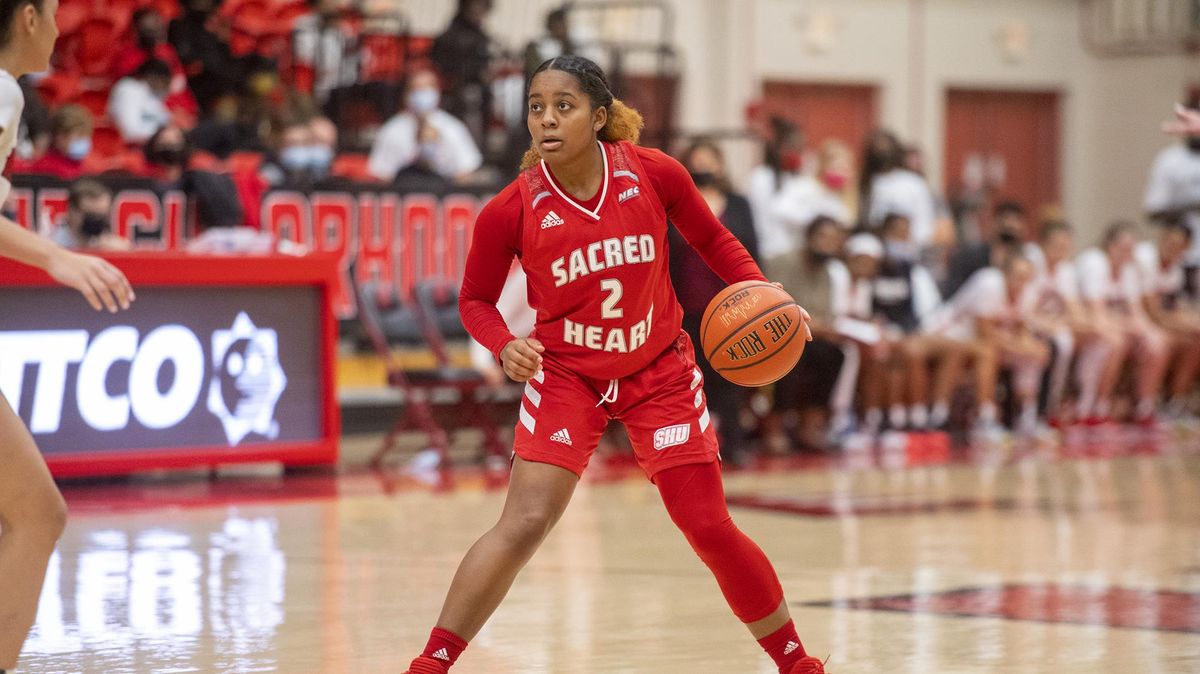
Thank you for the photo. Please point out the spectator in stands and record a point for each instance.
(71, 127)
(424, 138)
(824, 193)
(86, 224)
(137, 105)
(203, 52)
(302, 152)
(696, 284)
(1111, 290)
(462, 54)
(888, 187)
(149, 41)
(1173, 191)
(1010, 228)
(215, 195)
(34, 134)
(783, 162)
(323, 44)
(1162, 276)
(556, 42)
(991, 315)
(824, 380)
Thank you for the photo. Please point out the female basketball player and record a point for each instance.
(32, 512)
(588, 219)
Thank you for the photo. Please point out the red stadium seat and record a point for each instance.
(59, 87)
(106, 140)
(352, 167)
(93, 47)
(244, 162)
(96, 101)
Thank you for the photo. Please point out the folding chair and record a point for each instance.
(428, 319)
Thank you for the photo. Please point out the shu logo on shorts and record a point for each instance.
(629, 194)
(562, 436)
(552, 219)
(672, 435)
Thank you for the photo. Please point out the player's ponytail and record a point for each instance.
(624, 123)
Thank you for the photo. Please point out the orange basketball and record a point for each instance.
(752, 333)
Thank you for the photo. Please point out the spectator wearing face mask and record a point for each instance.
(148, 40)
(424, 137)
(827, 193)
(71, 133)
(86, 224)
(1010, 228)
(215, 195)
(137, 103)
(303, 152)
(1173, 190)
(783, 163)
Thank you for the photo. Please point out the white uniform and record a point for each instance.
(1056, 287)
(984, 295)
(906, 193)
(1097, 282)
(1175, 183)
(1156, 280)
(12, 103)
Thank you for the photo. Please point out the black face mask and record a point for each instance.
(704, 179)
(816, 258)
(93, 225)
(1193, 144)
(1009, 238)
(147, 40)
(169, 156)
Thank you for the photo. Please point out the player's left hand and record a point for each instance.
(804, 316)
(103, 285)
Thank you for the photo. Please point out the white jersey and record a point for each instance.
(1098, 282)
(984, 296)
(1157, 280)
(12, 103)
(1056, 287)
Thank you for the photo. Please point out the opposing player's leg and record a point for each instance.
(32, 516)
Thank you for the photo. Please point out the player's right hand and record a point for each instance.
(104, 286)
(522, 359)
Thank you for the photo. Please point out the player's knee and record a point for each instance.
(41, 517)
(708, 533)
(527, 529)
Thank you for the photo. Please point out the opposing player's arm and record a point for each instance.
(102, 284)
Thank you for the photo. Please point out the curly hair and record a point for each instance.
(624, 123)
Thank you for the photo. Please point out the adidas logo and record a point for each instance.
(791, 647)
(441, 654)
(562, 436)
(552, 219)
(628, 194)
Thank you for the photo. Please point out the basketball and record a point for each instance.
(752, 333)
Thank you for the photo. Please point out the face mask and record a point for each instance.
(901, 250)
(93, 225)
(147, 40)
(168, 156)
(792, 162)
(835, 181)
(319, 159)
(818, 258)
(1009, 238)
(294, 158)
(1193, 144)
(79, 148)
(704, 179)
(423, 101)
(429, 151)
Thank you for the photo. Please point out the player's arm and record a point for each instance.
(493, 245)
(104, 286)
(1186, 122)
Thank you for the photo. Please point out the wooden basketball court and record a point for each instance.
(998, 561)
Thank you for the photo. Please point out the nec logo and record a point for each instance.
(672, 435)
(629, 194)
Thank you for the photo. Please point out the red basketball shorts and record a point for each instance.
(563, 414)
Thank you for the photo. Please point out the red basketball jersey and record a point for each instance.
(599, 279)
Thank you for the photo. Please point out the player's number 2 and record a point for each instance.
(609, 309)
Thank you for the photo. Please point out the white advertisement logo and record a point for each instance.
(247, 380)
(246, 384)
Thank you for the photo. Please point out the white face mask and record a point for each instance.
(422, 101)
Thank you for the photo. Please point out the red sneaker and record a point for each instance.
(809, 665)
(424, 665)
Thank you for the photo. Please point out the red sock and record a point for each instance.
(444, 646)
(784, 647)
